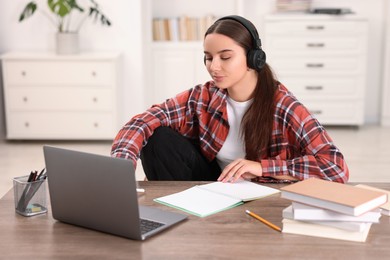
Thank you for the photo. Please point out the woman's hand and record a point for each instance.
(241, 168)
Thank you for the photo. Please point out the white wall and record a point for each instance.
(386, 77)
(125, 35)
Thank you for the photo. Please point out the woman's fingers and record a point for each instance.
(229, 171)
(240, 168)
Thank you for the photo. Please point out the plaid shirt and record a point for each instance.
(299, 147)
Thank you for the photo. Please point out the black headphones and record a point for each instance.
(256, 56)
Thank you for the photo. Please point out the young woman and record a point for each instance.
(242, 124)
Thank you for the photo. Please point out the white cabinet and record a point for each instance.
(322, 59)
(176, 69)
(60, 97)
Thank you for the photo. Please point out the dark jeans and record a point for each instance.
(170, 156)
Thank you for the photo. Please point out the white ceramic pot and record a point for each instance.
(67, 43)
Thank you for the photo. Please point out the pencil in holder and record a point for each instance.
(30, 197)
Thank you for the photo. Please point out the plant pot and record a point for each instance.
(67, 43)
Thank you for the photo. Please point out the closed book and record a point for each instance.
(334, 196)
(183, 34)
(316, 230)
(306, 212)
(385, 208)
(346, 225)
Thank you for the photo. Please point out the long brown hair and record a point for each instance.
(257, 123)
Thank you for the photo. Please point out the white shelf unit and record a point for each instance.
(322, 59)
(333, 88)
(178, 66)
(49, 97)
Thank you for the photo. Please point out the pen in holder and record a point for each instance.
(30, 195)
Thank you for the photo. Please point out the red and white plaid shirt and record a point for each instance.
(299, 147)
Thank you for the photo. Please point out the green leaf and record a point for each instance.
(28, 11)
(60, 7)
(73, 4)
(95, 13)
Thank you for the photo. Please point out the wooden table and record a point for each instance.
(230, 234)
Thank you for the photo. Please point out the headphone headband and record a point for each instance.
(248, 25)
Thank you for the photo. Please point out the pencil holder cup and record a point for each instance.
(30, 197)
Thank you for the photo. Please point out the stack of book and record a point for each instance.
(333, 210)
(181, 28)
(293, 5)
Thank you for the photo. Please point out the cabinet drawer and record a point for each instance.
(69, 99)
(65, 125)
(336, 112)
(297, 65)
(57, 73)
(315, 28)
(324, 87)
(317, 45)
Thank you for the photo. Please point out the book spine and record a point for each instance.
(181, 28)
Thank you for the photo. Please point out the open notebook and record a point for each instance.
(207, 199)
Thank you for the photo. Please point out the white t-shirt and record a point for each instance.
(234, 147)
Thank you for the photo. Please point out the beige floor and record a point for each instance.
(366, 149)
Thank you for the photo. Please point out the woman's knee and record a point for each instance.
(160, 140)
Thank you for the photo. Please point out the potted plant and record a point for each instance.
(67, 29)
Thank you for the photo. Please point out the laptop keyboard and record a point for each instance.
(149, 225)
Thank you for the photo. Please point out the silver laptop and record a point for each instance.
(99, 192)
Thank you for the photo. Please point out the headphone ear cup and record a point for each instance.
(256, 59)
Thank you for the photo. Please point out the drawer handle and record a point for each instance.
(315, 65)
(94, 73)
(315, 45)
(315, 27)
(314, 87)
(23, 73)
(94, 99)
(96, 124)
(316, 112)
(25, 99)
(26, 124)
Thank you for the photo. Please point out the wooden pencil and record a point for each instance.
(263, 221)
